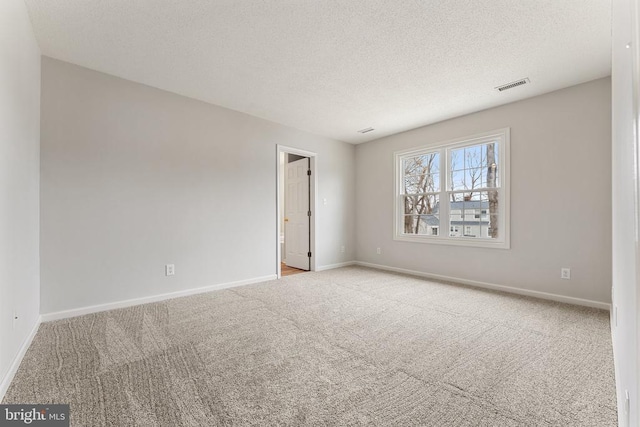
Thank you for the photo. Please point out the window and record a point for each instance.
(461, 185)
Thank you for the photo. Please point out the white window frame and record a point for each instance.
(503, 241)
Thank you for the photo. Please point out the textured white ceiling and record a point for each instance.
(332, 67)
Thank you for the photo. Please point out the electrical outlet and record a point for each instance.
(565, 273)
(379, 251)
(170, 270)
(342, 249)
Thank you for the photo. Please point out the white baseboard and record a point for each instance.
(619, 389)
(519, 291)
(154, 298)
(6, 381)
(332, 266)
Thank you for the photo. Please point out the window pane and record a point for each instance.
(427, 204)
(424, 183)
(422, 214)
(411, 184)
(436, 182)
(474, 167)
(496, 169)
(421, 174)
(464, 177)
(456, 197)
(427, 225)
(424, 163)
(493, 230)
(472, 228)
(474, 214)
(456, 157)
(457, 181)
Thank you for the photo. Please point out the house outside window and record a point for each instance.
(460, 185)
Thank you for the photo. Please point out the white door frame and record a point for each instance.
(312, 202)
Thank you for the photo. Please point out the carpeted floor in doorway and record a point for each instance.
(351, 346)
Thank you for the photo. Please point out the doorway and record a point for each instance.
(296, 202)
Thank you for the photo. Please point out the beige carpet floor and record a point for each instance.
(351, 346)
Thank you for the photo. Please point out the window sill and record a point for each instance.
(457, 241)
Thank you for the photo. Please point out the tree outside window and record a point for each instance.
(460, 185)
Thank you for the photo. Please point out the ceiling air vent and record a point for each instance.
(513, 84)
(367, 130)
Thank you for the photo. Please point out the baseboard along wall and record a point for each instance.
(161, 297)
(153, 298)
(332, 266)
(493, 286)
(6, 381)
(17, 360)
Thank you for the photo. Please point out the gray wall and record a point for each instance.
(19, 180)
(134, 178)
(626, 288)
(560, 196)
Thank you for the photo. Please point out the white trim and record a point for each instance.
(461, 141)
(493, 286)
(457, 241)
(634, 406)
(8, 377)
(154, 298)
(444, 148)
(338, 265)
(616, 373)
(314, 202)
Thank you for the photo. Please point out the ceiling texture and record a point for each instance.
(333, 67)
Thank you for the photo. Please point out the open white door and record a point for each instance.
(297, 211)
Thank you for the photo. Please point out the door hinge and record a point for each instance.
(309, 172)
(308, 213)
(309, 254)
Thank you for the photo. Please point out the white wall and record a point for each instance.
(19, 181)
(134, 178)
(560, 197)
(625, 219)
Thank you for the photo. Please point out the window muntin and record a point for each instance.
(461, 186)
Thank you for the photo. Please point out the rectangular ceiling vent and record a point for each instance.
(366, 130)
(513, 84)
